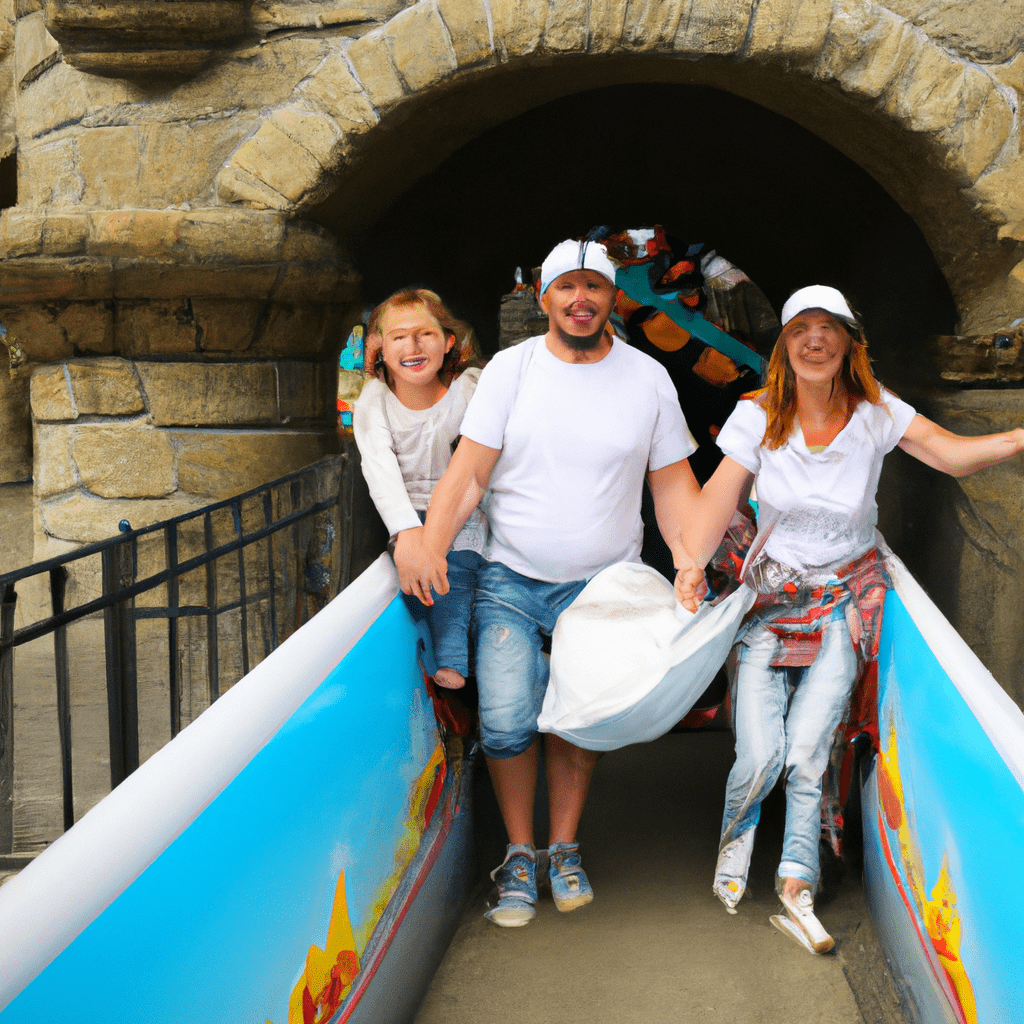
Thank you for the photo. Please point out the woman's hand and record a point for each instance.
(690, 587)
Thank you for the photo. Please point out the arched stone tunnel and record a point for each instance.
(184, 257)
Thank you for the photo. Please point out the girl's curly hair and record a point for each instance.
(463, 354)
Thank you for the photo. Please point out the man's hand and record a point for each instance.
(419, 568)
(690, 587)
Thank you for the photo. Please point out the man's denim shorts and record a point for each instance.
(512, 612)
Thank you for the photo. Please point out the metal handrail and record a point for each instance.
(308, 554)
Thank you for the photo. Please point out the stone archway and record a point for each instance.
(163, 225)
(939, 133)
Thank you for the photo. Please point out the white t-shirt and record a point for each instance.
(405, 451)
(822, 504)
(576, 440)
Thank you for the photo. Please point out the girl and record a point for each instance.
(813, 440)
(406, 424)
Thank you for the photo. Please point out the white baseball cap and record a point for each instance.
(572, 255)
(818, 296)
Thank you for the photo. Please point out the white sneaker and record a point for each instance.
(801, 924)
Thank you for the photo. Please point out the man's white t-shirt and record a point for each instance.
(820, 505)
(576, 441)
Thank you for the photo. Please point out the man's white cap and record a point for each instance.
(571, 255)
(818, 296)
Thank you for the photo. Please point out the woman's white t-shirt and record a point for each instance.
(576, 441)
(820, 506)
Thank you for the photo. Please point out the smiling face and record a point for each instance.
(816, 344)
(414, 347)
(578, 305)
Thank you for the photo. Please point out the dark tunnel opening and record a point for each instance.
(8, 181)
(769, 196)
(784, 206)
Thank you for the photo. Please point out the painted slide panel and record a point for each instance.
(944, 824)
(419, 941)
(924, 997)
(310, 836)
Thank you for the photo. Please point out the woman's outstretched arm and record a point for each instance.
(957, 454)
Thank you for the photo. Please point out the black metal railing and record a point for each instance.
(191, 603)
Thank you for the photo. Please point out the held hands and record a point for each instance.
(419, 568)
(690, 586)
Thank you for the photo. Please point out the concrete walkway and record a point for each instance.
(656, 945)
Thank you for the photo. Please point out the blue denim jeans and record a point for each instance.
(449, 617)
(512, 612)
(777, 733)
(450, 614)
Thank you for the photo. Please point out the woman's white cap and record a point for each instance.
(572, 255)
(818, 296)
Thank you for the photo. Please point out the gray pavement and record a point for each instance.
(656, 945)
(38, 800)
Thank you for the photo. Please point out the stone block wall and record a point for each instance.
(121, 439)
(307, 96)
(177, 358)
(15, 427)
(160, 182)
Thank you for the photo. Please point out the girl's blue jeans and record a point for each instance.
(779, 734)
(448, 618)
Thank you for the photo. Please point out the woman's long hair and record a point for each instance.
(778, 396)
(463, 354)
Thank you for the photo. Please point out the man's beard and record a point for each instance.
(584, 343)
(578, 344)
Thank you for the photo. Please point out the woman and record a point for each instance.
(813, 441)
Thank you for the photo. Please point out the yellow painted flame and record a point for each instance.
(329, 971)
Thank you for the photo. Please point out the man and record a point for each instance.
(562, 430)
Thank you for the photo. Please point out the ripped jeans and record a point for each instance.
(512, 612)
(784, 720)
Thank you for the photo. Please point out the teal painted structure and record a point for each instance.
(635, 283)
(210, 917)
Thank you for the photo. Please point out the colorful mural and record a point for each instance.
(329, 971)
(937, 911)
(276, 894)
(944, 821)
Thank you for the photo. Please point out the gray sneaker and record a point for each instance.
(517, 887)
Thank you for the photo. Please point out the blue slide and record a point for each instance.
(943, 809)
(301, 852)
